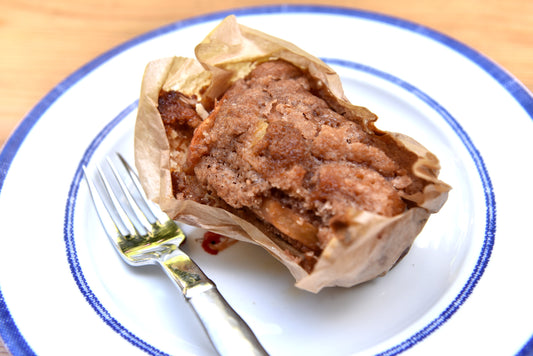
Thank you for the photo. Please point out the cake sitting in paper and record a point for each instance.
(255, 140)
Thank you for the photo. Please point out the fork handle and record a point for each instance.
(228, 332)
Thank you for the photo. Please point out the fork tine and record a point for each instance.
(123, 202)
(116, 208)
(152, 213)
(104, 213)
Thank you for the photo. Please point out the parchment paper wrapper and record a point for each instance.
(368, 247)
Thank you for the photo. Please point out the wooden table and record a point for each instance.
(42, 42)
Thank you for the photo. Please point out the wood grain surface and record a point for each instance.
(42, 42)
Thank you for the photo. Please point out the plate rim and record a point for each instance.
(9, 332)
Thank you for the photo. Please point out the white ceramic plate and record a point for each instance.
(463, 288)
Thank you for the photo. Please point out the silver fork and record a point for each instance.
(143, 234)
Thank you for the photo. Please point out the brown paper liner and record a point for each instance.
(368, 247)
